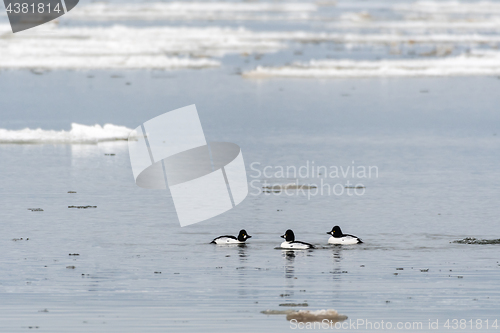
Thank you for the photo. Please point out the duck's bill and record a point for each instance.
(248, 236)
(329, 233)
(282, 236)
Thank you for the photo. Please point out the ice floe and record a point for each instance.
(125, 47)
(195, 11)
(305, 316)
(78, 134)
(473, 63)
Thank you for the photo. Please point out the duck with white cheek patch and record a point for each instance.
(291, 243)
(223, 240)
(338, 238)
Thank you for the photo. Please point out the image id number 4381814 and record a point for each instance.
(40, 8)
(462, 324)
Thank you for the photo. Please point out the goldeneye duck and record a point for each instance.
(242, 237)
(339, 238)
(291, 243)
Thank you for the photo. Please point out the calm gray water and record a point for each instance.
(434, 141)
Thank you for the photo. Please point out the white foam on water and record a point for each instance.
(195, 11)
(77, 135)
(474, 63)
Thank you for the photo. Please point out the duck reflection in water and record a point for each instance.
(289, 267)
(337, 258)
(242, 253)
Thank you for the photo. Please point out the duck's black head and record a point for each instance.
(288, 236)
(336, 232)
(243, 236)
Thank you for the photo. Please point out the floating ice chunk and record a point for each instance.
(120, 47)
(77, 134)
(446, 7)
(417, 24)
(195, 11)
(470, 240)
(304, 316)
(291, 186)
(473, 63)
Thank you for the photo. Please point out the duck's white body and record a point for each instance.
(345, 240)
(295, 245)
(223, 240)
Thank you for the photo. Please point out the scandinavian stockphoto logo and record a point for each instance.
(205, 180)
(26, 14)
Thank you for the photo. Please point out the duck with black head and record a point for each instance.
(339, 238)
(223, 240)
(291, 243)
